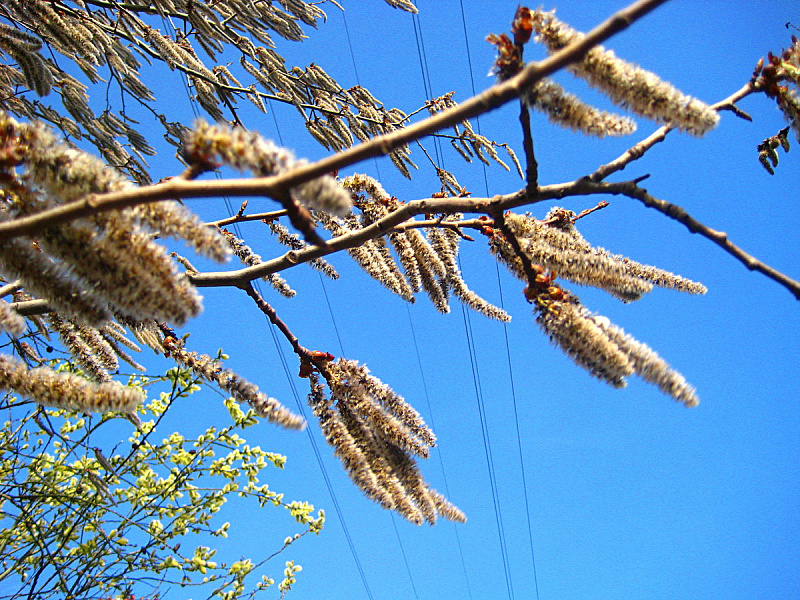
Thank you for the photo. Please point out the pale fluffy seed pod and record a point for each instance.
(395, 404)
(650, 366)
(66, 390)
(293, 241)
(248, 257)
(171, 219)
(130, 271)
(412, 481)
(567, 110)
(445, 243)
(447, 509)
(242, 390)
(402, 4)
(558, 245)
(242, 251)
(386, 477)
(146, 332)
(370, 399)
(572, 328)
(11, 321)
(605, 350)
(373, 256)
(84, 348)
(346, 448)
(374, 432)
(432, 271)
(280, 285)
(118, 351)
(626, 84)
(107, 253)
(248, 151)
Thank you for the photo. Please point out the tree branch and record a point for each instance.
(274, 186)
(266, 308)
(720, 238)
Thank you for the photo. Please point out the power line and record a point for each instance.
(470, 342)
(403, 554)
(439, 453)
(505, 328)
(519, 441)
(487, 446)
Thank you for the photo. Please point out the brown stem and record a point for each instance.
(720, 238)
(266, 308)
(531, 166)
(242, 218)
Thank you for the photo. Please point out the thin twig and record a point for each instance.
(637, 151)
(242, 218)
(720, 238)
(531, 166)
(271, 314)
(10, 288)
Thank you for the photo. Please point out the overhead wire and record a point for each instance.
(330, 308)
(505, 329)
(439, 453)
(519, 440)
(287, 371)
(471, 350)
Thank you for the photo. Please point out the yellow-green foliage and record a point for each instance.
(85, 518)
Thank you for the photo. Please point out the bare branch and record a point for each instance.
(275, 186)
(720, 238)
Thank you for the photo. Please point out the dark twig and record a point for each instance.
(521, 36)
(588, 211)
(531, 166)
(720, 238)
(307, 357)
(241, 218)
(266, 308)
(527, 265)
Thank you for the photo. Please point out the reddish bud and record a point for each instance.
(306, 370)
(522, 26)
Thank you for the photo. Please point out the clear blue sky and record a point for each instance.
(626, 494)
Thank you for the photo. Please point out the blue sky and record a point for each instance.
(619, 493)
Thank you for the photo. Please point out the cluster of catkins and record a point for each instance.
(426, 261)
(376, 434)
(101, 272)
(627, 85)
(554, 246)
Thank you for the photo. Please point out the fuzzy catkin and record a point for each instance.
(248, 151)
(241, 389)
(567, 110)
(626, 84)
(11, 322)
(108, 258)
(66, 390)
